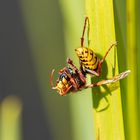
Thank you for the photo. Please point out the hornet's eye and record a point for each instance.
(70, 71)
(63, 75)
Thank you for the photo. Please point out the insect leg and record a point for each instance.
(101, 61)
(114, 44)
(82, 38)
(111, 80)
(75, 85)
(70, 62)
(66, 91)
(92, 72)
(61, 91)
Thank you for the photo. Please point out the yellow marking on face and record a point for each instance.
(60, 84)
(64, 81)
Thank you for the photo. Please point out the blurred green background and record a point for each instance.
(33, 39)
(31, 45)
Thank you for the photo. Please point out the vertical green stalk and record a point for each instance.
(107, 104)
(132, 96)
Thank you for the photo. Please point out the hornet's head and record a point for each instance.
(63, 84)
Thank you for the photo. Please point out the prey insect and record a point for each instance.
(71, 79)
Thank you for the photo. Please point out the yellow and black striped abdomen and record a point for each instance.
(88, 58)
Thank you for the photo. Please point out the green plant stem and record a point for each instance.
(132, 97)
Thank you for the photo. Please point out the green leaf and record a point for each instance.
(107, 104)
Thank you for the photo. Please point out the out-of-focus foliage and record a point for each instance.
(10, 119)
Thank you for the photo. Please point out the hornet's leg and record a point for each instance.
(109, 81)
(82, 38)
(70, 62)
(101, 61)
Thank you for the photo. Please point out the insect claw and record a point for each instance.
(128, 71)
(69, 61)
(125, 73)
